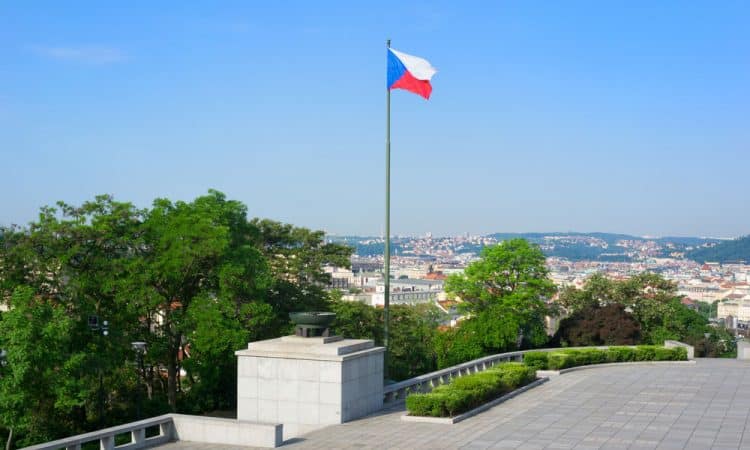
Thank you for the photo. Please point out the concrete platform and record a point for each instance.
(701, 406)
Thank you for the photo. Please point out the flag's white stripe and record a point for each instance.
(420, 68)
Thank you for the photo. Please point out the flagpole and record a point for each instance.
(387, 253)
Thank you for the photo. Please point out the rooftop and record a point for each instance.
(698, 406)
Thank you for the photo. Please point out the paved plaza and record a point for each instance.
(701, 406)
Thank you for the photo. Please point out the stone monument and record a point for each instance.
(306, 383)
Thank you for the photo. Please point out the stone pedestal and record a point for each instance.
(309, 383)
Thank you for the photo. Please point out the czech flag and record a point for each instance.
(410, 73)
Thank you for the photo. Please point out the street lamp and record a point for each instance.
(100, 328)
(140, 350)
(706, 335)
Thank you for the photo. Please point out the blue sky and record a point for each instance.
(609, 116)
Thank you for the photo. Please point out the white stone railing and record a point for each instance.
(106, 437)
(397, 392)
(175, 427)
(688, 348)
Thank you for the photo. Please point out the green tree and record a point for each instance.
(652, 301)
(190, 251)
(504, 295)
(296, 257)
(598, 291)
(457, 345)
(412, 333)
(35, 334)
(356, 320)
(708, 310)
(195, 280)
(72, 258)
(510, 267)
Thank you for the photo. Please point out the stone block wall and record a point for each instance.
(308, 385)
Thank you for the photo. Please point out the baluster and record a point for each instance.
(107, 442)
(402, 393)
(165, 429)
(138, 436)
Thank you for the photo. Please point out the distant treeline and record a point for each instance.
(724, 252)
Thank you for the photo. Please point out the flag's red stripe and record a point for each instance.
(411, 84)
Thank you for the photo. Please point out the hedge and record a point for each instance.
(565, 358)
(468, 392)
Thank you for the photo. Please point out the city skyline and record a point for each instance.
(617, 118)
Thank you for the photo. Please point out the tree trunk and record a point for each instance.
(148, 380)
(10, 439)
(172, 381)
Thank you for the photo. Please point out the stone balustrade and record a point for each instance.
(106, 437)
(175, 427)
(688, 348)
(397, 392)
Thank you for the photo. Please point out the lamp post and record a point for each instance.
(103, 330)
(140, 350)
(3, 363)
(705, 345)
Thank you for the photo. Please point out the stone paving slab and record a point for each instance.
(701, 406)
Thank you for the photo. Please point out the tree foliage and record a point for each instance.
(195, 280)
(599, 325)
(35, 335)
(296, 258)
(650, 299)
(413, 332)
(504, 295)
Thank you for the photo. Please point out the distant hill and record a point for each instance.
(609, 238)
(723, 252)
(574, 246)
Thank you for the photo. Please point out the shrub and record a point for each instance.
(536, 360)
(470, 391)
(425, 404)
(565, 358)
(620, 354)
(516, 374)
(590, 356)
(645, 352)
(484, 385)
(680, 353)
(670, 354)
(560, 360)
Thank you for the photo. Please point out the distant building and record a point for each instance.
(735, 305)
(689, 303)
(408, 292)
(435, 276)
(341, 278)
